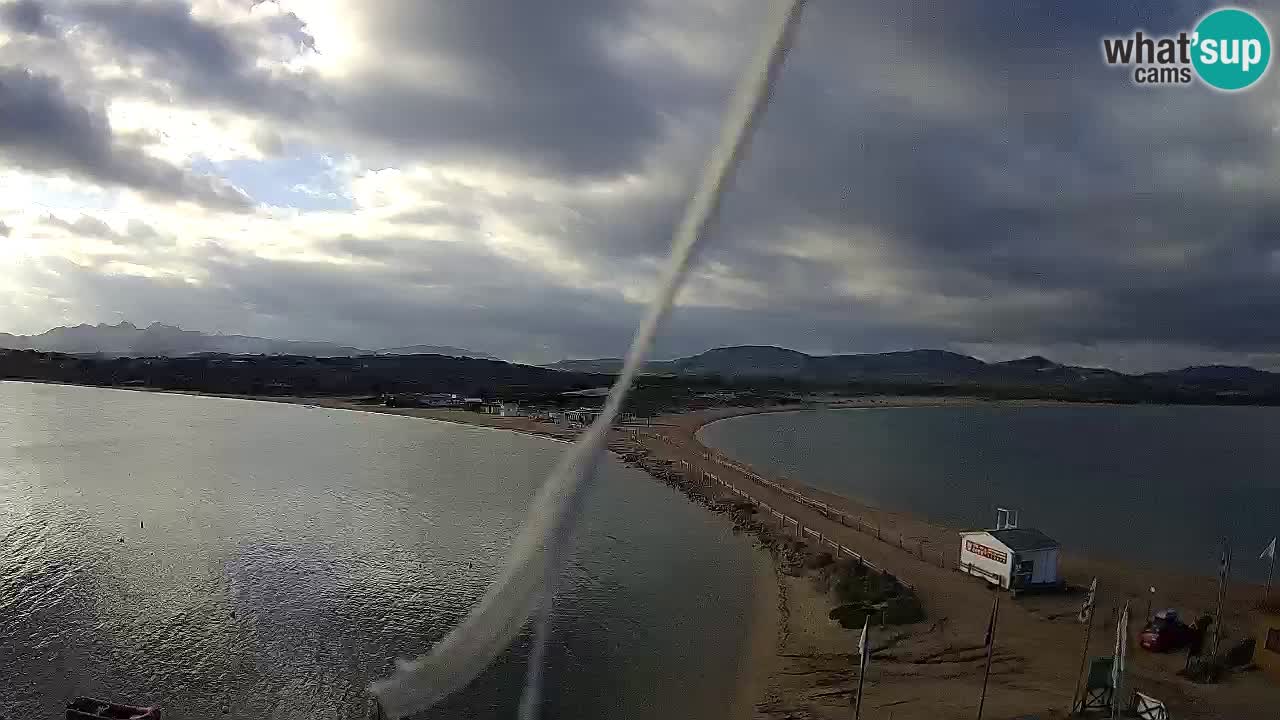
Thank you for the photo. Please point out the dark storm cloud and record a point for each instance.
(1004, 163)
(455, 293)
(382, 306)
(137, 232)
(538, 84)
(25, 16)
(931, 173)
(197, 58)
(44, 130)
(175, 53)
(85, 225)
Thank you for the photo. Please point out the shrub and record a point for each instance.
(819, 560)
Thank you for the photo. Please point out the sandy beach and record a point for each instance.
(801, 664)
(934, 669)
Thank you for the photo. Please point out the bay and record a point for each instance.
(1160, 485)
(229, 558)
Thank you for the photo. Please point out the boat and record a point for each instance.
(86, 708)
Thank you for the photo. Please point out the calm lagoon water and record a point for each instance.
(1155, 484)
(289, 553)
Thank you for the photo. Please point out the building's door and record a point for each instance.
(1022, 572)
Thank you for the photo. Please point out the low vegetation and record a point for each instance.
(862, 592)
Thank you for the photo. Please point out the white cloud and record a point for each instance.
(913, 183)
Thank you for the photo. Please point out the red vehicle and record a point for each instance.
(1166, 633)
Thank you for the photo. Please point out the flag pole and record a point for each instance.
(991, 644)
(857, 708)
(1266, 592)
(1117, 666)
(1224, 571)
(864, 653)
(1084, 652)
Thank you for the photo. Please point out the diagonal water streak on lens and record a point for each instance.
(531, 571)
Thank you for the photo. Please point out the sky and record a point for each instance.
(505, 176)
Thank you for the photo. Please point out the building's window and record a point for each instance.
(1273, 639)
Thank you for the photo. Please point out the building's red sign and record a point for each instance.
(986, 552)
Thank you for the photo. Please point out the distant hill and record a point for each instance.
(1219, 378)
(297, 375)
(764, 361)
(767, 371)
(158, 340)
(941, 367)
(611, 366)
(446, 350)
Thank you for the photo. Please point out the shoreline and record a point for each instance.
(914, 517)
(758, 661)
(797, 660)
(756, 667)
(1027, 674)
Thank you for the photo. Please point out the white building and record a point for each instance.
(1013, 558)
(439, 399)
(581, 416)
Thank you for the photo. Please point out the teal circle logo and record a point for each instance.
(1231, 49)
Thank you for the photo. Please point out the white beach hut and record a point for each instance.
(1011, 557)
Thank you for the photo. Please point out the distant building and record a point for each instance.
(439, 399)
(1011, 557)
(581, 416)
(509, 409)
(422, 400)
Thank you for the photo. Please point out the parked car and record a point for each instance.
(1166, 632)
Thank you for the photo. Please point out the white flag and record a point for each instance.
(1122, 646)
(1270, 552)
(864, 646)
(1086, 610)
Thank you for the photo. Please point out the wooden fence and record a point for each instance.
(785, 522)
(922, 549)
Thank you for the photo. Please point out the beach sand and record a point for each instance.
(801, 664)
(934, 669)
(759, 665)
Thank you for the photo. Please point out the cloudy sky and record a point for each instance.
(504, 175)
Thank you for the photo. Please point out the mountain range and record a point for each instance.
(740, 363)
(158, 340)
(933, 366)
